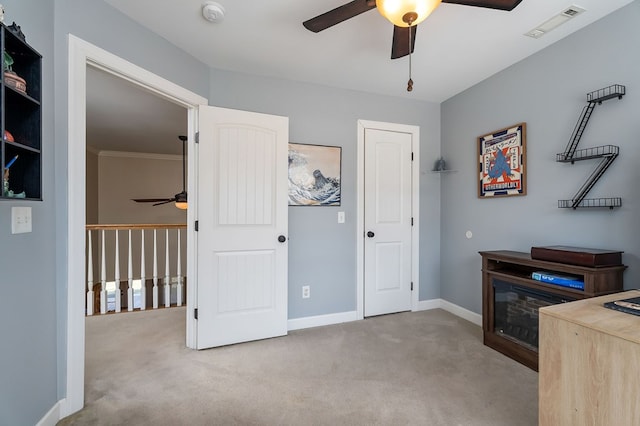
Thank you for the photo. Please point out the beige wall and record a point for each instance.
(123, 176)
(92, 187)
(113, 178)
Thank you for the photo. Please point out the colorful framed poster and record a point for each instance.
(501, 162)
(314, 175)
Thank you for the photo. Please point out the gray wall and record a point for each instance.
(34, 354)
(98, 23)
(28, 310)
(322, 253)
(547, 91)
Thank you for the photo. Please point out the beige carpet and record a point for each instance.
(421, 368)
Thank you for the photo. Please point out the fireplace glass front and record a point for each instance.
(516, 311)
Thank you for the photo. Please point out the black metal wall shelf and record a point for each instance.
(589, 154)
(20, 118)
(591, 202)
(608, 153)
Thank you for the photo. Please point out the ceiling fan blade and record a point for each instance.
(339, 14)
(400, 46)
(170, 200)
(150, 200)
(507, 5)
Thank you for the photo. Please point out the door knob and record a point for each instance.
(282, 238)
(370, 234)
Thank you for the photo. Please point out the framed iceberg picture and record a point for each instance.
(314, 175)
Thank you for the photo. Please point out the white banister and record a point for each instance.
(167, 277)
(155, 270)
(108, 249)
(89, 275)
(117, 275)
(143, 281)
(130, 276)
(103, 279)
(179, 274)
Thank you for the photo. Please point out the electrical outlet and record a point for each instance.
(306, 291)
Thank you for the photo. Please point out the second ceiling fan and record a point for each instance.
(180, 198)
(403, 24)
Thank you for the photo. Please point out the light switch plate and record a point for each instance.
(340, 217)
(20, 220)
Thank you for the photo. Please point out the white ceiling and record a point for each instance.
(456, 47)
(123, 117)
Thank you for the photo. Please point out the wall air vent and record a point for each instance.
(555, 21)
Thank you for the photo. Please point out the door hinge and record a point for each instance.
(195, 226)
(195, 313)
(411, 156)
(197, 137)
(411, 285)
(411, 221)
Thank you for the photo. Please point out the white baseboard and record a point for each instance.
(456, 310)
(423, 305)
(320, 320)
(461, 312)
(52, 417)
(426, 305)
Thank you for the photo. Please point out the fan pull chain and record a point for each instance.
(410, 18)
(410, 82)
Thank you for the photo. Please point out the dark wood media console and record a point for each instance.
(510, 296)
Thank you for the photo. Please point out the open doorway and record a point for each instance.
(134, 150)
(82, 55)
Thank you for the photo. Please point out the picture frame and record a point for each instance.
(502, 162)
(314, 175)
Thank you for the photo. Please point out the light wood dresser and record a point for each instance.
(589, 364)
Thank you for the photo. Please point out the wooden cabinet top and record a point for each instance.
(592, 314)
(523, 258)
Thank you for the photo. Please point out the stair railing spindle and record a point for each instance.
(89, 275)
(129, 276)
(155, 269)
(103, 278)
(167, 277)
(143, 281)
(117, 275)
(179, 273)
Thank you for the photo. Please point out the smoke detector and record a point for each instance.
(213, 11)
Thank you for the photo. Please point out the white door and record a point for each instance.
(242, 226)
(387, 222)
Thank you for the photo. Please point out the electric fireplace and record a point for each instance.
(515, 312)
(511, 298)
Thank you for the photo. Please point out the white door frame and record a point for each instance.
(81, 55)
(415, 209)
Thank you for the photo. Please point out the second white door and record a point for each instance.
(387, 221)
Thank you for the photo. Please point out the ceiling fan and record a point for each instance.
(405, 22)
(181, 198)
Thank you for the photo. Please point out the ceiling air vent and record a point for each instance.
(555, 21)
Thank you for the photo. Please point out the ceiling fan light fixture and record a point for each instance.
(181, 201)
(406, 13)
